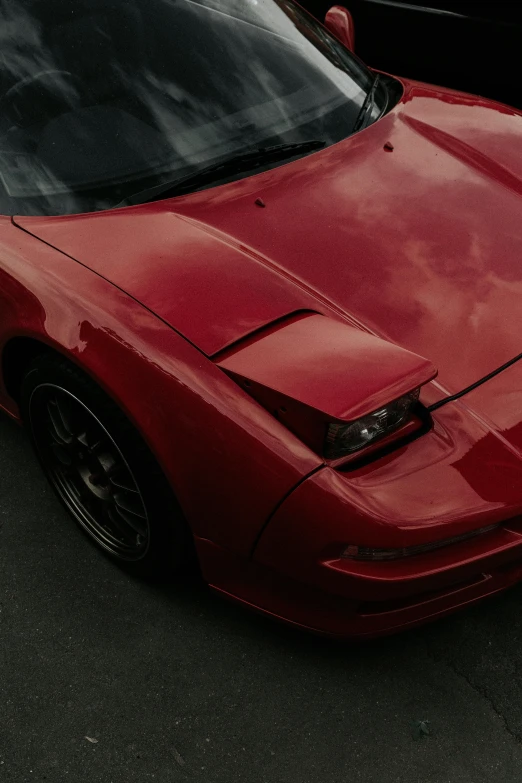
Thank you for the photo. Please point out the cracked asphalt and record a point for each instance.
(175, 684)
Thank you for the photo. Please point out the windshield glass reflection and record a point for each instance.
(100, 98)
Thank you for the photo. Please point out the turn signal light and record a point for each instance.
(354, 552)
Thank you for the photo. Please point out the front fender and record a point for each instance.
(229, 462)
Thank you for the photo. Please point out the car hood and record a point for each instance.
(411, 228)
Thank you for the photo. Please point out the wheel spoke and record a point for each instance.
(122, 481)
(130, 508)
(59, 431)
(62, 417)
(83, 440)
(115, 525)
(63, 455)
(129, 525)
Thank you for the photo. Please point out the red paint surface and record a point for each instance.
(330, 366)
(420, 247)
(340, 22)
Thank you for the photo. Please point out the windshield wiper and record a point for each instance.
(245, 161)
(364, 111)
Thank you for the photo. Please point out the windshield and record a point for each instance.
(100, 99)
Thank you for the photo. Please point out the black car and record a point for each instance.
(471, 46)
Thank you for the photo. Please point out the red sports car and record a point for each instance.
(232, 262)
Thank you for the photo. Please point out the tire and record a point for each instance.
(103, 472)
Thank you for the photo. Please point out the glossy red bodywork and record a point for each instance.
(394, 262)
(316, 371)
(329, 367)
(340, 22)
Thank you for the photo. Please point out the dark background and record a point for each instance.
(476, 48)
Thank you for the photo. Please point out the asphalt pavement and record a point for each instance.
(108, 680)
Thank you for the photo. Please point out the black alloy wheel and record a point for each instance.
(101, 469)
(89, 472)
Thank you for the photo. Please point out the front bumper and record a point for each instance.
(456, 479)
(346, 614)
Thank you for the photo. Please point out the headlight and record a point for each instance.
(343, 439)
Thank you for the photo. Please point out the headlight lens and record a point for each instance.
(343, 439)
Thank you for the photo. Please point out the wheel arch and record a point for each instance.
(17, 354)
(20, 351)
